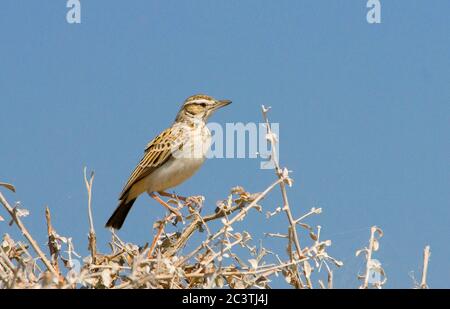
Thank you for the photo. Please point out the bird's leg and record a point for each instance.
(167, 194)
(170, 208)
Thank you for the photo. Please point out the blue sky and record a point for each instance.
(363, 112)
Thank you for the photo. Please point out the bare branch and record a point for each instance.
(27, 235)
(52, 245)
(426, 258)
(92, 237)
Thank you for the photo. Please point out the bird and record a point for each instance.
(171, 158)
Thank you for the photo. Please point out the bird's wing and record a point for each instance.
(157, 152)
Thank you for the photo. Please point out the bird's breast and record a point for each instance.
(186, 159)
(195, 144)
(174, 172)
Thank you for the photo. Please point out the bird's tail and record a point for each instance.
(118, 217)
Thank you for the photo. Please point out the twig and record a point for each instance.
(313, 211)
(370, 266)
(161, 226)
(281, 175)
(330, 279)
(369, 258)
(426, 258)
(92, 238)
(52, 246)
(27, 235)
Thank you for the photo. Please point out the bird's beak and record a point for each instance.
(221, 103)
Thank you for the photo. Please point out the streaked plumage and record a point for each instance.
(172, 157)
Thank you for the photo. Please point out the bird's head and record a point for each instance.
(199, 108)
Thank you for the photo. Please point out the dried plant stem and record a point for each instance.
(280, 174)
(3, 276)
(262, 271)
(155, 240)
(287, 209)
(426, 258)
(52, 241)
(195, 225)
(92, 237)
(6, 260)
(27, 235)
(161, 227)
(330, 279)
(4, 270)
(372, 240)
(246, 209)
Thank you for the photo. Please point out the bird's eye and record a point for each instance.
(202, 104)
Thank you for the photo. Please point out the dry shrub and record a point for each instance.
(224, 257)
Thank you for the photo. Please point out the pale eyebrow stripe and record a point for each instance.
(199, 101)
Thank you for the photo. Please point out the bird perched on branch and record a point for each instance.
(171, 158)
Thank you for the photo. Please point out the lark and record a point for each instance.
(171, 158)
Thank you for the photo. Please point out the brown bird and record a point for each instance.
(172, 157)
